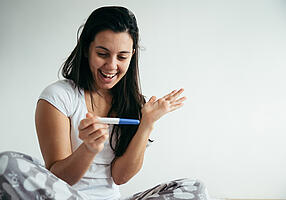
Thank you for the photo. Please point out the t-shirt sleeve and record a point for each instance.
(61, 95)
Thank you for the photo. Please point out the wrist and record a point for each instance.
(89, 150)
(146, 124)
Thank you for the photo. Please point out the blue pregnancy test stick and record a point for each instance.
(107, 120)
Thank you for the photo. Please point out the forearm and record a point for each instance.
(126, 166)
(72, 168)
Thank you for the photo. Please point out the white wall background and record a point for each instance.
(230, 56)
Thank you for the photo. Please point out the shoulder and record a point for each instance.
(60, 86)
(62, 94)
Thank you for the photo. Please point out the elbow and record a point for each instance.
(120, 180)
(68, 179)
(71, 182)
(122, 175)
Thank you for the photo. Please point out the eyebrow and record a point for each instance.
(101, 47)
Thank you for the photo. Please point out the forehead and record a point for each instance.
(113, 41)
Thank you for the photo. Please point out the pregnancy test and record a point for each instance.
(107, 120)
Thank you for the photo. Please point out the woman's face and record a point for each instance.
(109, 56)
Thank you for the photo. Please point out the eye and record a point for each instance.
(121, 57)
(103, 55)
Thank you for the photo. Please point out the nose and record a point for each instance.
(111, 62)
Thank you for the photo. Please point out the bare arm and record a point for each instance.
(126, 166)
(53, 130)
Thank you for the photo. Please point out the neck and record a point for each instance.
(100, 103)
(102, 95)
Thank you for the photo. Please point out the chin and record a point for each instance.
(107, 87)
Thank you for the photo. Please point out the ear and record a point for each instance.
(133, 52)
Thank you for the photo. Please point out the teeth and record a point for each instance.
(108, 75)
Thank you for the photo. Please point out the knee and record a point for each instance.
(199, 184)
(8, 160)
(12, 154)
(4, 159)
(6, 153)
(193, 183)
(15, 154)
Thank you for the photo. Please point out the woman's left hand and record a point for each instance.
(155, 108)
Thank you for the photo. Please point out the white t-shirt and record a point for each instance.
(97, 182)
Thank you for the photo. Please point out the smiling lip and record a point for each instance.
(106, 77)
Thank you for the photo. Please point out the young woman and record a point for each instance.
(85, 158)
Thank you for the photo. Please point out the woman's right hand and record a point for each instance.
(93, 133)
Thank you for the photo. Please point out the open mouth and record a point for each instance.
(107, 75)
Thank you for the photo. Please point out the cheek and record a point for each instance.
(124, 68)
(94, 64)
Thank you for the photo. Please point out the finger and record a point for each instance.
(152, 99)
(102, 139)
(84, 123)
(83, 133)
(91, 119)
(176, 106)
(89, 115)
(91, 130)
(94, 146)
(176, 95)
(180, 100)
(96, 135)
(168, 95)
(92, 137)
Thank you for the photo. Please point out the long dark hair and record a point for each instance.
(127, 99)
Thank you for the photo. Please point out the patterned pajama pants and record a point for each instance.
(22, 177)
